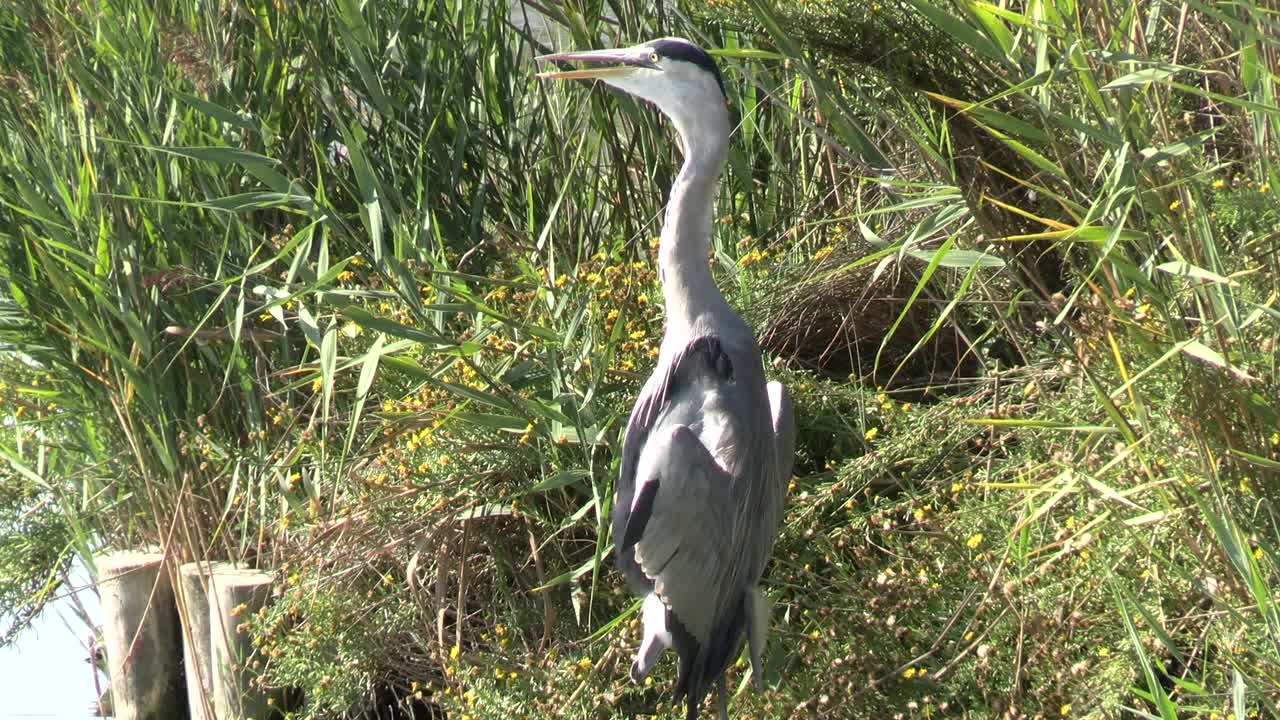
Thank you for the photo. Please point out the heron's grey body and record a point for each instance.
(708, 448)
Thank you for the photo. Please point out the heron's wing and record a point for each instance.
(682, 534)
(680, 527)
(699, 356)
(698, 499)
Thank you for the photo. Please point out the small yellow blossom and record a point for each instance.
(822, 252)
(974, 541)
(1264, 187)
(584, 663)
(1065, 710)
(909, 673)
(1219, 184)
(453, 652)
(871, 433)
(1175, 204)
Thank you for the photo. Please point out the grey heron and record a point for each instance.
(709, 446)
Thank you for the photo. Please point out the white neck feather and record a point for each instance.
(688, 289)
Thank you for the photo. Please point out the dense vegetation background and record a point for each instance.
(340, 290)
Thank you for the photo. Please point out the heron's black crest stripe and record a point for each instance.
(639, 516)
(690, 53)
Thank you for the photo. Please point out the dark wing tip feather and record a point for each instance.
(701, 665)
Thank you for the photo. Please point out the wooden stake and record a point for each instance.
(140, 631)
(236, 596)
(197, 651)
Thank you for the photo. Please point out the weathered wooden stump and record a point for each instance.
(197, 650)
(140, 632)
(236, 595)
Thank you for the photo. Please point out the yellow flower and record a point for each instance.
(871, 433)
(822, 252)
(974, 541)
(584, 663)
(956, 487)
(1065, 710)
(1175, 204)
(1219, 184)
(453, 652)
(1264, 187)
(909, 673)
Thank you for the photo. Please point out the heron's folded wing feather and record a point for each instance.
(655, 399)
(686, 545)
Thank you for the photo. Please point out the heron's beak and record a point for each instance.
(617, 63)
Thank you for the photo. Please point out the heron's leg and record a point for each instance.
(656, 636)
(722, 709)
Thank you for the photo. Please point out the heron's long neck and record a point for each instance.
(687, 287)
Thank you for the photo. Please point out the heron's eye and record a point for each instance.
(653, 58)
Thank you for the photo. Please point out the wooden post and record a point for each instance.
(197, 652)
(140, 631)
(236, 596)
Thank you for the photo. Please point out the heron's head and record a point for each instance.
(675, 75)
